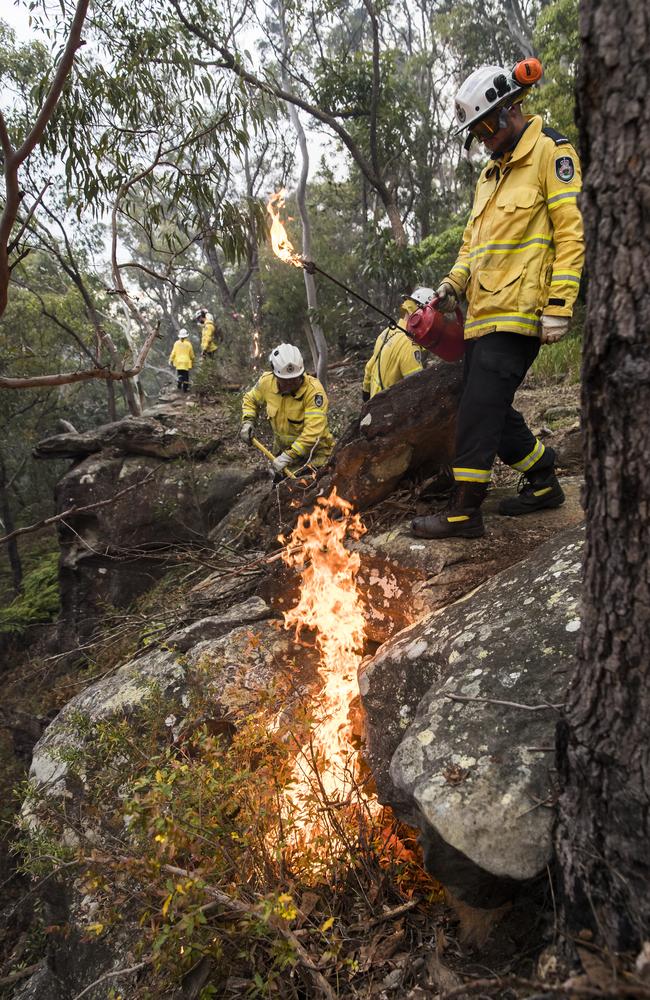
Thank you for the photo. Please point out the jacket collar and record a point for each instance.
(526, 144)
(298, 394)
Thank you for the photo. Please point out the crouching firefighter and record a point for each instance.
(519, 266)
(395, 356)
(296, 405)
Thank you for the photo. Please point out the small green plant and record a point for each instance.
(39, 602)
(559, 361)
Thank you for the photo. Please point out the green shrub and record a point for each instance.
(39, 602)
(559, 361)
(438, 253)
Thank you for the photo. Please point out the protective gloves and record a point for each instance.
(553, 328)
(447, 296)
(281, 462)
(246, 433)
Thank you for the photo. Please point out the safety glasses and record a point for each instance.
(485, 127)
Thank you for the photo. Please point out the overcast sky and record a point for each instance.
(18, 18)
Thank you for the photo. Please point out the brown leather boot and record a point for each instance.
(461, 518)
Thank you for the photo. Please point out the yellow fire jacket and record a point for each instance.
(394, 357)
(208, 342)
(523, 246)
(299, 421)
(182, 355)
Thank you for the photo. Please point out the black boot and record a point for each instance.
(461, 518)
(538, 490)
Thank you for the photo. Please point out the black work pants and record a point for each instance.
(488, 425)
(183, 379)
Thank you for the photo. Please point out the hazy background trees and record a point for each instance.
(145, 196)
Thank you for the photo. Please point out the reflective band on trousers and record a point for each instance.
(529, 460)
(472, 475)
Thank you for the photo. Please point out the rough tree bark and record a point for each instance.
(6, 514)
(603, 749)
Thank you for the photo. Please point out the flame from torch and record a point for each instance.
(284, 249)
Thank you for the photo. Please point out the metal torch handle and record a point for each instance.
(271, 457)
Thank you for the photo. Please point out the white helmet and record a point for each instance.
(421, 295)
(286, 361)
(201, 313)
(485, 90)
(182, 334)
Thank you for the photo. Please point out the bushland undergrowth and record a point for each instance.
(181, 837)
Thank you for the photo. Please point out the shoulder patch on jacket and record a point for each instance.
(557, 137)
(564, 169)
(318, 399)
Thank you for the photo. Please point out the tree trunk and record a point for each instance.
(9, 525)
(110, 401)
(603, 828)
(317, 342)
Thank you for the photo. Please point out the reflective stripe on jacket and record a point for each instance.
(299, 420)
(182, 355)
(208, 342)
(394, 357)
(523, 246)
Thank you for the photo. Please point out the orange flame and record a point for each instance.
(282, 245)
(331, 606)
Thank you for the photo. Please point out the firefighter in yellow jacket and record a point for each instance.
(209, 333)
(395, 356)
(296, 405)
(182, 359)
(519, 266)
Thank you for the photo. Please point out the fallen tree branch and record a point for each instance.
(67, 378)
(13, 977)
(504, 982)
(496, 701)
(47, 521)
(116, 974)
(388, 915)
(239, 908)
(248, 910)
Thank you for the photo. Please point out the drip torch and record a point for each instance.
(428, 327)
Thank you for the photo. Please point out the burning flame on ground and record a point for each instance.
(331, 606)
(282, 245)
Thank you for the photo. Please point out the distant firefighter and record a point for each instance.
(210, 336)
(182, 359)
(395, 356)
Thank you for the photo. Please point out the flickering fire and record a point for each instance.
(331, 606)
(256, 344)
(282, 245)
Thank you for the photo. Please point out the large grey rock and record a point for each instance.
(404, 578)
(123, 693)
(161, 433)
(115, 552)
(242, 667)
(475, 776)
(218, 680)
(252, 610)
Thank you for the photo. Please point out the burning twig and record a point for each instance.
(284, 249)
